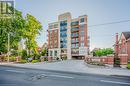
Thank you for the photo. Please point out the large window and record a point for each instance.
(63, 45)
(51, 53)
(50, 27)
(55, 25)
(81, 20)
(82, 45)
(63, 40)
(74, 34)
(63, 34)
(82, 38)
(82, 27)
(74, 23)
(55, 53)
(81, 33)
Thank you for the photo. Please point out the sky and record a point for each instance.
(98, 11)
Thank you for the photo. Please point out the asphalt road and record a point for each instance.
(12, 76)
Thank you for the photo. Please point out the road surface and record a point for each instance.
(14, 76)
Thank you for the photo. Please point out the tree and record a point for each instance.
(43, 52)
(103, 52)
(12, 26)
(19, 28)
(33, 28)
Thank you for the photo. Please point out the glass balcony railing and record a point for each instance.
(75, 23)
(74, 29)
(74, 35)
(74, 41)
(63, 29)
(63, 35)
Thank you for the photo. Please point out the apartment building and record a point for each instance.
(68, 37)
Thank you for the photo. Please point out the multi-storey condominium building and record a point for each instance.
(68, 37)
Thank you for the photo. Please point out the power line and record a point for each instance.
(109, 23)
(103, 24)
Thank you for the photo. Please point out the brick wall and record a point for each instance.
(108, 59)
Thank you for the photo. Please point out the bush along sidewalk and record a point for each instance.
(22, 61)
(35, 61)
(128, 65)
(96, 63)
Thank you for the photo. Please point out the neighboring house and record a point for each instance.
(67, 36)
(123, 44)
(45, 46)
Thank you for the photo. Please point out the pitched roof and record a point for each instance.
(126, 34)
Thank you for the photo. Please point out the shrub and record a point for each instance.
(128, 65)
(43, 52)
(23, 61)
(14, 53)
(37, 56)
(35, 61)
(96, 63)
(12, 58)
(64, 58)
(24, 54)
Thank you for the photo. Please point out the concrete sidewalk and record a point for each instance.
(77, 66)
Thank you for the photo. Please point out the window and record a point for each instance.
(82, 27)
(82, 45)
(55, 25)
(63, 34)
(55, 31)
(75, 23)
(73, 46)
(77, 45)
(51, 53)
(82, 33)
(74, 34)
(50, 32)
(55, 53)
(73, 40)
(81, 20)
(77, 40)
(63, 45)
(50, 27)
(82, 38)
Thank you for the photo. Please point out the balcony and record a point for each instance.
(74, 29)
(75, 23)
(63, 30)
(74, 26)
(75, 35)
(63, 35)
(74, 41)
(74, 52)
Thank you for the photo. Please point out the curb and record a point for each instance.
(67, 72)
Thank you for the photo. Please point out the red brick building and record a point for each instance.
(124, 44)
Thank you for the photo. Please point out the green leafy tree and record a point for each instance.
(24, 54)
(43, 52)
(19, 28)
(12, 26)
(33, 28)
(103, 52)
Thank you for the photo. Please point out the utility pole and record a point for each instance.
(8, 47)
(116, 59)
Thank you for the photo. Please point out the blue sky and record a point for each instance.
(98, 11)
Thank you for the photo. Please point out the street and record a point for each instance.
(14, 76)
